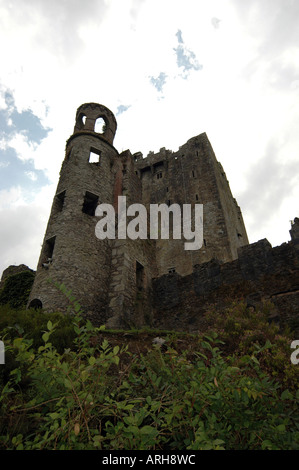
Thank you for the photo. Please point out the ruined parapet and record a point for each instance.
(96, 118)
(256, 259)
(11, 270)
(294, 232)
(260, 274)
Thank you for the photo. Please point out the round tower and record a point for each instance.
(74, 265)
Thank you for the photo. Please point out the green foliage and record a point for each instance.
(246, 332)
(16, 289)
(30, 323)
(97, 396)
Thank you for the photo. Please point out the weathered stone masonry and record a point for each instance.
(136, 282)
(260, 274)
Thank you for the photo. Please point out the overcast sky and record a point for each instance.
(168, 70)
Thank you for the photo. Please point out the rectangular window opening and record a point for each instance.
(139, 277)
(59, 201)
(90, 203)
(94, 155)
(48, 251)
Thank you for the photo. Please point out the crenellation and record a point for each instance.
(261, 272)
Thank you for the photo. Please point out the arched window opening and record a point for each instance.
(100, 125)
(81, 121)
(36, 304)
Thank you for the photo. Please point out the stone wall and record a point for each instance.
(192, 175)
(261, 273)
(133, 262)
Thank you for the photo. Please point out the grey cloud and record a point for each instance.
(274, 25)
(57, 22)
(275, 21)
(21, 233)
(271, 179)
(215, 22)
(283, 76)
(277, 74)
(135, 8)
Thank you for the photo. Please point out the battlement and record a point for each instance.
(260, 274)
(164, 154)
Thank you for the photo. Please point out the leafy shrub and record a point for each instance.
(30, 323)
(246, 332)
(91, 397)
(16, 289)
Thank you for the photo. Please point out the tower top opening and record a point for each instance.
(90, 115)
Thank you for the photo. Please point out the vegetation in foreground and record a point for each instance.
(67, 385)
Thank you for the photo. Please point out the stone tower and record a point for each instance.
(112, 279)
(70, 253)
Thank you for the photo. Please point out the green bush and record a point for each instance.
(16, 289)
(22, 323)
(96, 396)
(246, 332)
(30, 323)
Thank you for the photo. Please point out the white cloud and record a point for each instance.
(61, 54)
(23, 225)
(24, 148)
(32, 175)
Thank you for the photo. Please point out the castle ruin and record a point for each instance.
(125, 282)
